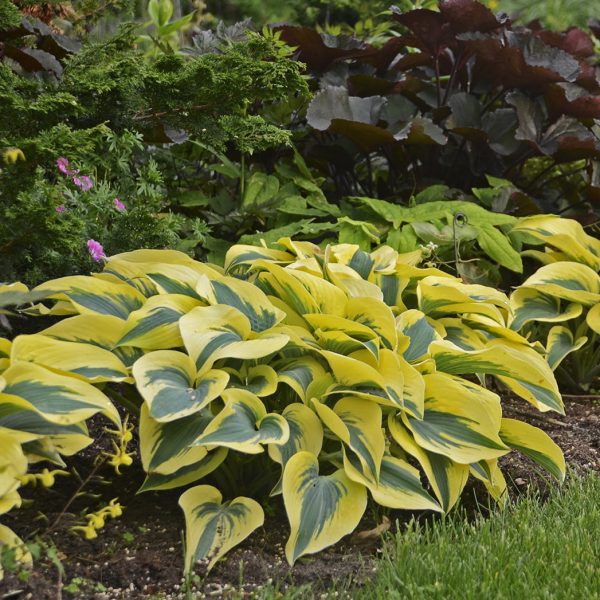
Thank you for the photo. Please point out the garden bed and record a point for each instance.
(140, 554)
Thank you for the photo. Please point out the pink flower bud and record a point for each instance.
(119, 205)
(96, 250)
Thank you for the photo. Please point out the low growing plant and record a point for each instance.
(320, 375)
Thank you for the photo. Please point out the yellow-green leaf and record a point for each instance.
(561, 343)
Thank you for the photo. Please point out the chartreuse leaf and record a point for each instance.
(491, 475)
(535, 444)
(445, 296)
(320, 509)
(304, 292)
(167, 381)
(185, 475)
(241, 254)
(89, 362)
(593, 318)
(95, 295)
(244, 424)
(59, 399)
(306, 433)
(104, 331)
(461, 420)
(182, 279)
(213, 527)
(167, 447)
(260, 380)
(155, 326)
(398, 486)
(300, 373)
(213, 332)
(447, 478)
(566, 235)
(561, 343)
(357, 423)
(530, 304)
(567, 280)
(521, 368)
(376, 315)
(246, 297)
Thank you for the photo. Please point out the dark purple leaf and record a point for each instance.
(530, 116)
(500, 126)
(468, 15)
(430, 28)
(33, 60)
(575, 41)
(421, 131)
(568, 135)
(367, 137)
(571, 99)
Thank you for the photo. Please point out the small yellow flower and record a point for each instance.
(96, 520)
(89, 533)
(12, 155)
(113, 509)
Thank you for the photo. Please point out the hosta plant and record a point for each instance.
(327, 377)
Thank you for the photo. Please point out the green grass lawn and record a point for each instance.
(532, 550)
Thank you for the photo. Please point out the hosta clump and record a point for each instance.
(339, 368)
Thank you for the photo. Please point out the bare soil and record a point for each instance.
(139, 555)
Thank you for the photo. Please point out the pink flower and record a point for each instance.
(83, 182)
(119, 205)
(61, 208)
(63, 166)
(96, 250)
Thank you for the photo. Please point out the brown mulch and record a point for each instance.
(140, 554)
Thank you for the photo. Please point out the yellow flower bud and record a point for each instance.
(89, 533)
(96, 520)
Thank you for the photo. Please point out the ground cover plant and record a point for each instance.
(341, 364)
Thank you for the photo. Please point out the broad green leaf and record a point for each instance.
(60, 399)
(447, 478)
(91, 295)
(561, 343)
(321, 509)
(260, 189)
(522, 369)
(461, 420)
(535, 444)
(167, 447)
(306, 433)
(88, 362)
(498, 247)
(530, 304)
(155, 326)
(213, 527)
(399, 485)
(357, 423)
(244, 424)
(168, 383)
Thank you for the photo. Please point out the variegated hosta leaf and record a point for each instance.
(87, 361)
(52, 447)
(104, 331)
(522, 369)
(9, 539)
(306, 433)
(376, 315)
(535, 444)
(460, 334)
(593, 318)
(241, 254)
(58, 398)
(447, 478)
(246, 297)
(567, 235)
(260, 380)
(180, 279)
(213, 527)
(561, 343)
(167, 381)
(185, 475)
(351, 283)
(214, 332)
(321, 509)
(304, 292)
(167, 447)
(155, 326)
(492, 477)
(91, 295)
(13, 463)
(567, 280)
(414, 325)
(244, 424)
(531, 304)
(442, 296)
(300, 373)
(357, 423)
(399, 485)
(461, 420)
